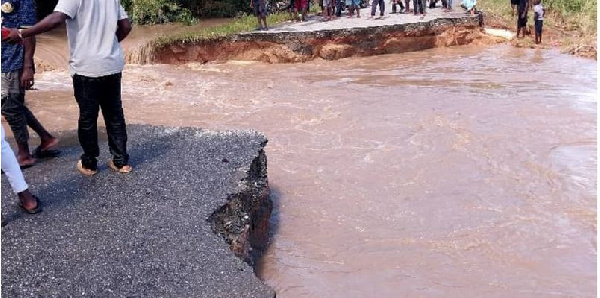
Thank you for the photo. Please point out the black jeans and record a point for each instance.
(91, 95)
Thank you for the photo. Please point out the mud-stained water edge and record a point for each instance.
(453, 172)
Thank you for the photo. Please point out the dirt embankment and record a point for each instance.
(288, 47)
(558, 34)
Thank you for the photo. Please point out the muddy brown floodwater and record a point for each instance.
(457, 172)
(53, 51)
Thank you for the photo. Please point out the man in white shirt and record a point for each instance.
(94, 28)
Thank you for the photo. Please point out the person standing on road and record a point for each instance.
(420, 7)
(381, 4)
(94, 29)
(301, 6)
(338, 8)
(327, 12)
(260, 11)
(17, 75)
(353, 6)
(448, 6)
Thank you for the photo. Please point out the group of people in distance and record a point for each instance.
(521, 8)
(332, 9)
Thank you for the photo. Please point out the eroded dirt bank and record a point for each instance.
(287, 47)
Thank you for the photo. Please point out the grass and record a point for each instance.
(241, 24)
(569, 24)
(568, 15)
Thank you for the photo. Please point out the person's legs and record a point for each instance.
(13, 173)
(381, 7)
(11, 168)
(304, 9)
(112, 111)
(332, 9)
(13, 110)
(47, 140)
(263, 14)
(538, 31)
(87, 92)
(374, 7)
(416, 6)
(297, 9)
(326, 8)
(338, 7)
(257, 10)
(292, 9)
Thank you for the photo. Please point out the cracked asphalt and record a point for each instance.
(144, 234)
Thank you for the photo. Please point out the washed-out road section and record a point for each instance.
(165, 230)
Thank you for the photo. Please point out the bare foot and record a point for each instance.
(25, 161)
(48, 143)
(28, 202)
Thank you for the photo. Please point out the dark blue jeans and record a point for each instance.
(381, 4)
(338, 8)
(419, 6)
(91, 95)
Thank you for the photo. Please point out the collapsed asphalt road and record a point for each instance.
(145, 234)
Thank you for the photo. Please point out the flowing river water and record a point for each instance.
(452, 172)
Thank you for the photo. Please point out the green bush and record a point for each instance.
(157, 11)
(216, 8)
(164, 11)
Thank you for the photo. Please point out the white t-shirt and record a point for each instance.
(539, 10)
(91, 29)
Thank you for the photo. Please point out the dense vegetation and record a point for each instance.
(163, 11)
(572, 15)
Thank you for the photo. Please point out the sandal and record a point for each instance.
(124, 169)
(48, 153)
(27, 165)
(85, 171)
(37, 209)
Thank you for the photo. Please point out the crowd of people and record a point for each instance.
(332, 9)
